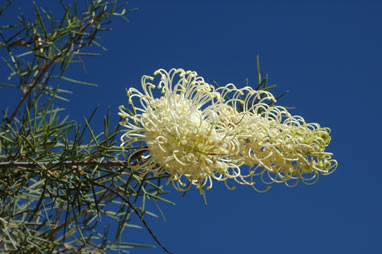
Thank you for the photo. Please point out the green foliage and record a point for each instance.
(62, 186)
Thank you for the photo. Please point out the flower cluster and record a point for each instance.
(197, 133)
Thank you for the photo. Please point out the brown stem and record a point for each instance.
(46, 67)
(63, 163)
(55, 230)
(140, 215)
(88, 163)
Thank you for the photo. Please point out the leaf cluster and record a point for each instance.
(63, 187)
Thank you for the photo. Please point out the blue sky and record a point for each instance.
(326, 53)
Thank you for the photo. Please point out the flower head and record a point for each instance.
(179, 129)
(197, 134)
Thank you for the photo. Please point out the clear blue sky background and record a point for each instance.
(326, 53)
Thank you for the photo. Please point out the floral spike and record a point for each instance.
(198, 134)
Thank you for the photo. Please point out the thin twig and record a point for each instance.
(46, 67)
(113, 163)
(140, 215)
(61, 163)
(86, 210)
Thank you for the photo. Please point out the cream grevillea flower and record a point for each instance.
(180, 131)
(198, 134)
(277, 146)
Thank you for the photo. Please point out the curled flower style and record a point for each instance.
(277, 146)
(180, 131)
(197, 134)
